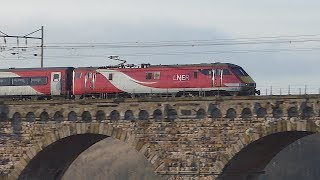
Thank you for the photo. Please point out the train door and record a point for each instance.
(55, 85)
(217, 77)
(89, 81)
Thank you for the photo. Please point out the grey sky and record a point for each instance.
(114, 21)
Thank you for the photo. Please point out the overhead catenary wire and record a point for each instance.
(27, 36)
(96, 46)
(178, 53)
(288, 39)
(191, 43)
(140, 45)
(195, 40)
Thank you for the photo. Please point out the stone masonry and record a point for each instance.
(183, 138)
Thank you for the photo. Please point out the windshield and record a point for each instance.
(239, 71)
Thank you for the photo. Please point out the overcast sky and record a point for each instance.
(140, 21)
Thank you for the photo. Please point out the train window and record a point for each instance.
(149, 75)
(90, 75)
(38, 81)
(218, 72)
(110, 76)
(239, 71)
(18, 81)
(206, 71)
(56, 77)
(226, 72)
(78, 75)
(5, 81)
(156, 75)
(195, 75)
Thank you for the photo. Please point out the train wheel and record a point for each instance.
(234, 93)
(173, 94)
(76, 96)
(214, 93)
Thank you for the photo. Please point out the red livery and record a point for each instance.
(35, 81)
(190, 79)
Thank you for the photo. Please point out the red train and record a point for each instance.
(190, 79)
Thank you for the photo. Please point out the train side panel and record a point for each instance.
(47, 81)
(159, 79)
(91, 81)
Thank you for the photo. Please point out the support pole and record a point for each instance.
(4, 35)
(41, 46)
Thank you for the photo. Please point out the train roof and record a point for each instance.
(32, 69)
(147, 65)
(200, 64)
(142, 66)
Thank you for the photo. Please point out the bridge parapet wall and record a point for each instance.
(181, 137)
(179, 108)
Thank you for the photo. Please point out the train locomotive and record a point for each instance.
(127, 80)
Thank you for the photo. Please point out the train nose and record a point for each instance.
(247, 80)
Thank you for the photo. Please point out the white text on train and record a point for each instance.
(181, 77)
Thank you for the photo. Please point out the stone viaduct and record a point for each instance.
(182, 138)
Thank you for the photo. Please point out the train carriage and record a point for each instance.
(212, 78)
(35, 81)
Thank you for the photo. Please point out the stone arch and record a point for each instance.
(44, 116)
(157, 114)
(16, 122)
(171, 114)
(277, 112)
(128, 115)
(201, 114)
(58, 116)
(246, 113)
(293, 112)
(261, 112)
(3, 116)
(215, 113)
(114, 115)
(143, 115)
(72, 116)
(100, 115)
(86, 135)
(307, 112)
(30, 117)
(268, 139)
(86, 116)
(231, 113)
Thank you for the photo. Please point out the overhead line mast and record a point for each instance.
(4, 35)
